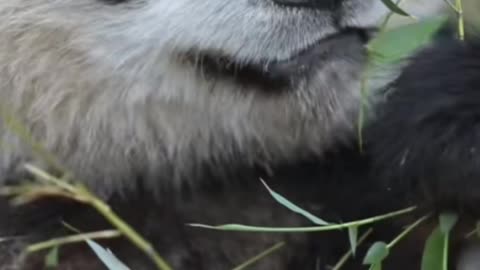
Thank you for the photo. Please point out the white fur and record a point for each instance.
(106, 90)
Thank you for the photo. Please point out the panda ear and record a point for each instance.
(426, 139)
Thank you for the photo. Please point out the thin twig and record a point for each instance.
(461, 19)
(407, 231)
(246, 228)
(345, 257)
(73, 239)
(260, 256)
(81, 194)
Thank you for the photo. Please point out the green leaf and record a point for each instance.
(51, 260)
(376, 254)
(353, 237)
(283, 201)
(107, 257)
(377, 266)
(399, 43)
(433, 252)
(447, 222)
(395, 8)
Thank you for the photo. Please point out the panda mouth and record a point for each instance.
(275, 75)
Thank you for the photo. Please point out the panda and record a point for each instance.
(171, 111)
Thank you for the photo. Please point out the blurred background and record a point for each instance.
(420, 8)
(472, 12)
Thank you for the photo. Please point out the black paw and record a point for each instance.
(426, 139)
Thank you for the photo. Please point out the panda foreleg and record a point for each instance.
(425, 141)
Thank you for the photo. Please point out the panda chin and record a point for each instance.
(277, 76)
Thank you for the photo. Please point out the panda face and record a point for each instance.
(251, 31)
(167, 88)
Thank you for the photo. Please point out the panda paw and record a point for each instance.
(426, 137)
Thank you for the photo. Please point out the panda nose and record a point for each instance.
(314, 4)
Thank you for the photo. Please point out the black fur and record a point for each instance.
(335, 189)
(427, 137)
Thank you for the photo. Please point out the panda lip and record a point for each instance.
(363, 36)
(302, 60)
(279, 74)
